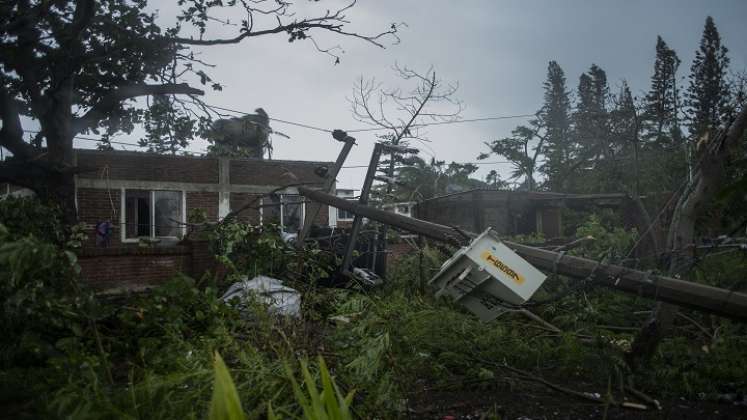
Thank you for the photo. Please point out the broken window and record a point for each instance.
(154, 214)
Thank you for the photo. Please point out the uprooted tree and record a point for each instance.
(76, 67)
(715, 155)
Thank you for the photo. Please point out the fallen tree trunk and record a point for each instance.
(666, 289)
(714, 158)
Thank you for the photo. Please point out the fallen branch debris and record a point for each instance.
(696, 296)
(596, 398)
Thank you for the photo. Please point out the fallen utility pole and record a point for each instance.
(312, 210)
(666, 289)
(347, 259)
(373, 167)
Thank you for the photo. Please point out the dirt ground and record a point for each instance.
(530, 402)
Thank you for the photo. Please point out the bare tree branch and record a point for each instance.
(424, 100)
(332, 22)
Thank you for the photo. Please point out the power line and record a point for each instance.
(365, 129)
(324, 130)
(110, 141)
(310, 127)
(92, 139)
(469, 120)
(497, 162)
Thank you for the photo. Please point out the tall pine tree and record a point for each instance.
(707, 96)
(591, 117)
(663, 149)
(624, 120)
(662, 99)
(621, 172)
(556, 119)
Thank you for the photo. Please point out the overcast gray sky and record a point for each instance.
(496, 50)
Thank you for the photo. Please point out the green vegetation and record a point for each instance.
(178, 351)
(388, 353)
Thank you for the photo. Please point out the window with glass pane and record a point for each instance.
(344, 215)
(137, 213)
(292, 213)
(271, 209)
(168, 213)
(153, 213)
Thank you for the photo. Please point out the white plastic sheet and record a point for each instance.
(281, 299)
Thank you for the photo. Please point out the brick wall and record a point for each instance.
(132, 268)
(98, 205)
(344, 224)
(249, 215)
(269, 172)
(138, 166)
(207, 201)
(203, 260)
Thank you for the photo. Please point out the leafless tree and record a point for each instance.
(403, 114)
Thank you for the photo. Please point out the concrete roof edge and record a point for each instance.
(138, 153)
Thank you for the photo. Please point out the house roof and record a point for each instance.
(202, 157)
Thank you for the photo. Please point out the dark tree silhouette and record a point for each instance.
(76, 67)
(708, 95)
(591, 118)
(523, 150)
(662, 99)
(555, 114)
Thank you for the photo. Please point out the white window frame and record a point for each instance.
(152, 230)
(344, 219)
(282, 211)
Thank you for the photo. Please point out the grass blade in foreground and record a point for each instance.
(225, 404)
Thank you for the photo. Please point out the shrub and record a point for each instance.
(25, 216)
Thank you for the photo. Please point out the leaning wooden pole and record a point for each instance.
(666, 289)
(312, 210)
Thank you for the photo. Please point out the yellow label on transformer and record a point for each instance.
(492, 259)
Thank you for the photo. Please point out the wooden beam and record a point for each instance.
(666, 289)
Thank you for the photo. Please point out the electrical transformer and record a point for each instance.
(485, 274)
